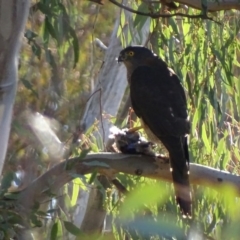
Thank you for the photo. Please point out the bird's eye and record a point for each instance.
(131, 53)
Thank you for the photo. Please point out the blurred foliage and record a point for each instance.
(58, 69)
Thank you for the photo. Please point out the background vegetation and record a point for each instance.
(59, 67)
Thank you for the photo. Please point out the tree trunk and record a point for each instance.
(108, 95)
(13, 16)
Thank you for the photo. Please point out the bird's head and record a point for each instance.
(134, 56)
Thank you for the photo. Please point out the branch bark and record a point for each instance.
(111, 163)
(159, 15)
(218, 5)
(197, 4)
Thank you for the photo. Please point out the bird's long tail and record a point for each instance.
(179, 159)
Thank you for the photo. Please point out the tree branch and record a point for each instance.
(197, 4)
(212, 6)
(158, 15)
(110, 164)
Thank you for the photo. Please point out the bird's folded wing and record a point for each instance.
(158, 98)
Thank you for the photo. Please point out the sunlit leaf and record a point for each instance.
(57, 230)
(75, 191)
(205, 138)
(142, 196)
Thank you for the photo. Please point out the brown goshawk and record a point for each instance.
(159, 100)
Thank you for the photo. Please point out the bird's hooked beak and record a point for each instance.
(121, 58)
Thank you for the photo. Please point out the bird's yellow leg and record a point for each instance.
(135, 129)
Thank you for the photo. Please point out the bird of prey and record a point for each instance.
(159, 100)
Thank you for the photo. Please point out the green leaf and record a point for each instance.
(174, 26)
(221, 148)
(54, 231)
(50, 59)
(59, 232)
(94, 147)
(139, 20)
(187, 49)
(224, 160)
(75, 190)
(14, 218)
(186, 28)
(29, 86)
(93, 177)
(44, 9)
(75, 45)
(119, 31)
(152, 25)
(145, 195)
(82, 177)
(205, 138)
(7, 180)
(72, 228)
(84, 153)
(122, 18)
(45, 35)
(50, 29)
(35, 221)
(12, 195)
(36, 49)
(30, 35)
(195, 120)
